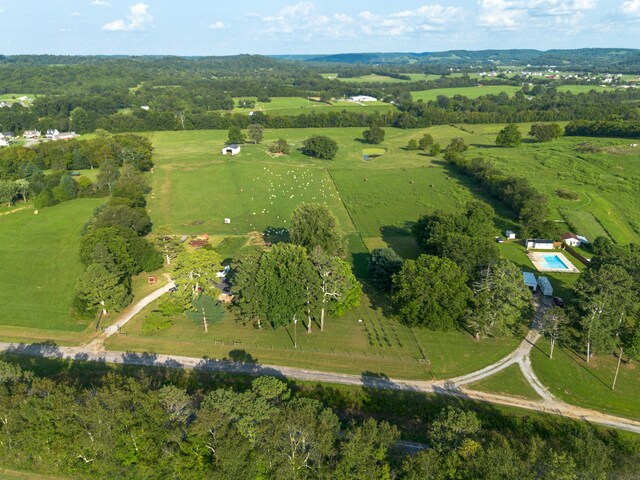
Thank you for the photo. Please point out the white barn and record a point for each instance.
(232, 150)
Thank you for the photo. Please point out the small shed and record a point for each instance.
(511, 235)
(539, 244)
(530, 281)
(545, 286)
(232, 150)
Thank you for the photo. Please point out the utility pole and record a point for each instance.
(295, 332)
(615, 378)
(204, 321)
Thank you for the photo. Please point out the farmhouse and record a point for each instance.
(530, 281)
(362, 98)
(52, 132)
(232, 150)
(511, 235)
(538, 244)
(571, 239)
(6, 135)
(3, 143)
(545, 286)
(31, 134)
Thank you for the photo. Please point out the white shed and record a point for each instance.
(511, 235)
(232, 150)
(545, 286)
(538, 244)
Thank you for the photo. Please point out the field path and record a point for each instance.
(94, 351)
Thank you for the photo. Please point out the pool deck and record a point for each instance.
(537, 258)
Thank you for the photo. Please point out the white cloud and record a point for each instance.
(630, 8)
(100, 3)
(553, 8)
(138, 21)
(75, 14)
(513, 14)
(499, 14)
(305, 17)
(217, 25)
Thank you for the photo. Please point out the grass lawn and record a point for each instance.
(377, 344)
(509, 381)
(39, 266)
(570, 378)
(602, 172)
(562, 283)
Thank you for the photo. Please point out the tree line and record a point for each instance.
(142, 426)
(46, 171)
(113, 246)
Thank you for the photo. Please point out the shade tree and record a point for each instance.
(431, 292)
(314, 225)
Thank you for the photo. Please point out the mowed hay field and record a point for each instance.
(196, 187)
(39, 266)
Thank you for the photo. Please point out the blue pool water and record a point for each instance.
(553, 262)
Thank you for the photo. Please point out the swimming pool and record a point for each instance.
(553, 262)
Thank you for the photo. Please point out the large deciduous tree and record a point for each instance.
(509, 136)
(314, 225)
(374, 135)
(235, 135)
(321, 147)
(606, 301)
(500, 299)
(195, 273)
(339, 289)
(288, 283)
(98, 287)
(553, 325)
(255, 132)
(431, 292)
(545, 132)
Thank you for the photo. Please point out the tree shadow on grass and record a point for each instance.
(401, 240)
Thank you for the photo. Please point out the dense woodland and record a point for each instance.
(161, 424)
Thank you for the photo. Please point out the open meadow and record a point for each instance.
(39, 266)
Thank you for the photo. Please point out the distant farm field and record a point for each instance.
(39, 266)
(298, 106)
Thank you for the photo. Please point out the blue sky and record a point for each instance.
(192, 27)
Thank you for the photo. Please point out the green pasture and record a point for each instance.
(603, 173)
(571, 379)
(509, 381)
(39, 266)
(377, 344)
(195, 187)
